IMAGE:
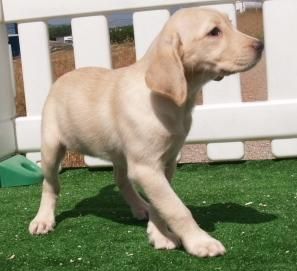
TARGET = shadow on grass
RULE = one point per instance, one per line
(228, 212)
(108, 203)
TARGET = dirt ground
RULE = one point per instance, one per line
(253, 82)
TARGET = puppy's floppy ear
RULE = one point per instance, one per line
(165, 74)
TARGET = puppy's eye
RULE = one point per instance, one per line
(215, 32)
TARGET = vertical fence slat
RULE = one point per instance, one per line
(91, 44)
(36, 65)
(37, 75)
(147, 25)
(225, 91)
(280, 23)
(1, 12)
(7, 103)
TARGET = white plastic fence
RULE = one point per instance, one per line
(243, 5)
(223, 121)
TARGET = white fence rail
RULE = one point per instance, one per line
(223, 121)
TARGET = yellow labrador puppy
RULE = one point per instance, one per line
(139, 117)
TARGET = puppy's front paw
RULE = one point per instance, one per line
(161, 240)
(203, 245)
(41, 225)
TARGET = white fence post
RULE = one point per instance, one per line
(38, 78)
(1, 13)
(7, 102)
(147, 25)
(226, 91)
(91, 44)
(280, 22)
(99, 43)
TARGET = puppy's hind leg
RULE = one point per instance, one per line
(158, 233)
(138, 205)
(52, 154)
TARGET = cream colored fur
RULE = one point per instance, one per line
(139, 117)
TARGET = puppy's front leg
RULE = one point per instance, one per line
(138, 205)
(171, 209)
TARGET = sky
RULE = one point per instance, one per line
(118, 19)
(113, 20)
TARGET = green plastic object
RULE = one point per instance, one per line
(18, 170)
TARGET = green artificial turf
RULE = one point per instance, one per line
(249, 206)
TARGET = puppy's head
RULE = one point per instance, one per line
(201, 43)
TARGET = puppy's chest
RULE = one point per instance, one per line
(176, 134)
(178, 128)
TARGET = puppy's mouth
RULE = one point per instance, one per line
(240, 65)
(222, 74)
(241, 68)
(219, 78)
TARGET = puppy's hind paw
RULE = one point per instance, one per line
(159, 240)
(140, 212)
(41, 226)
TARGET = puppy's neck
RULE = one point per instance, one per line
(195, 82)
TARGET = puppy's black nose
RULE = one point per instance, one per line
(258, 46)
